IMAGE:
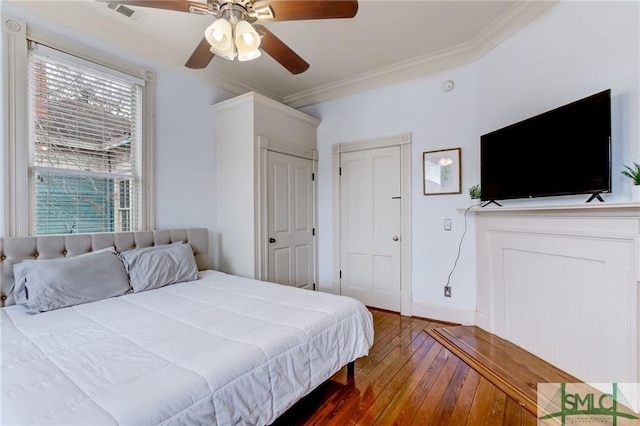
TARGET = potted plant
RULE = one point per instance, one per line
(474, 192)
(633, 173)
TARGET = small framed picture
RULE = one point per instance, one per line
(441, 171)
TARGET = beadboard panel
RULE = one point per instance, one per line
(563, 284)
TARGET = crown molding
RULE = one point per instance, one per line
(284, 109)
(514, 19)
(254, 98)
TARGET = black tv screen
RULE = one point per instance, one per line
(563, 151)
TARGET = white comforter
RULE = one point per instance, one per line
(219, 350)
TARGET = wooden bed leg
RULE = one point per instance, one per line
(351, 369)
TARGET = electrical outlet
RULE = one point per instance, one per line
(447, 291)
(447, 224)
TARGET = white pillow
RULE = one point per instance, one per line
(44, 285)
(155, 267)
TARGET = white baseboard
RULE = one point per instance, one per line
(444, 313)
(482, 321)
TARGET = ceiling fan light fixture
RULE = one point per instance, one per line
(219, 35)
(232, 34)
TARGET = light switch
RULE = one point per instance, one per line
(447, 224)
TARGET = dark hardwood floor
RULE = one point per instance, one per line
(407, 379)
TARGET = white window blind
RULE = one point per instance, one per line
(85, 140)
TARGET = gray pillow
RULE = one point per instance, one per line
(155, 267)
(44, 285)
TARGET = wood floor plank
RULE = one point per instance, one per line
(512, 413)
(411, 405)
(430, 403)
(379, 353)
(509, 367)
(481, 402)
(465, 399)
(408, 377)
(397, 383)
(447, 403)
(495, 414)
(528, 419)
(398, 408)
(373, 377)
(373, 385)
(385, 330)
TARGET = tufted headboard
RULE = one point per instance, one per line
(16, 249)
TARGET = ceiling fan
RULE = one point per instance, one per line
(234, 33)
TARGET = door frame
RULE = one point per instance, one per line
(264, 144)
(404, 142)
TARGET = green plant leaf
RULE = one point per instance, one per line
(632, 172)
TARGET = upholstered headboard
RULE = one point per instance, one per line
(16, 249)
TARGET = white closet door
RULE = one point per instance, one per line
(370, 226)
(290, 220)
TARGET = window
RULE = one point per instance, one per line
(80, 147)
(84, 139)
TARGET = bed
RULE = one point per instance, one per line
(217, 350)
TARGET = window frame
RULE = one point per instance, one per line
(16, 149)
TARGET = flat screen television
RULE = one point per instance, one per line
(561, 152)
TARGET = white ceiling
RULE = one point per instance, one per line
(386, 42)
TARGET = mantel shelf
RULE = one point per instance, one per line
(624, 208)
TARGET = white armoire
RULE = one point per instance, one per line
(266, 203)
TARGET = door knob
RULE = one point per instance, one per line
(272, 240)
(395, 238)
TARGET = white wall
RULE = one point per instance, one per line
(436, 120)
(186, 179)
(185, 135)
(577, 49)
(574, 50)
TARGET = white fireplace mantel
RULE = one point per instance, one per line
(562, 282)
(628, 208)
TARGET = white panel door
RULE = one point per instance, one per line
(290, 220)
(370, 224)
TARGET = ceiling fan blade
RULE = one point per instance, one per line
(200, 57)
(177, 5)
(295, 10)
(279, 51)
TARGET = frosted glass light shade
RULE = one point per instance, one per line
(247, 39)
(219, 36)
